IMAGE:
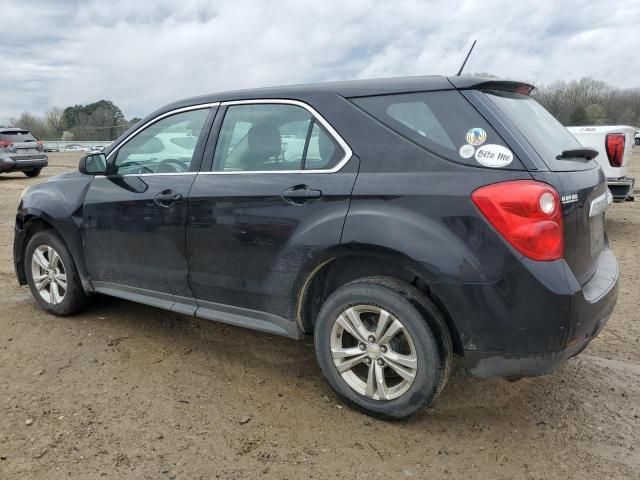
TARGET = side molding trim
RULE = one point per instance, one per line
(241, 317)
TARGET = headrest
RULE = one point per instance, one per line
(264, 140)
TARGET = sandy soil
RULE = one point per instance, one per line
(125, 390)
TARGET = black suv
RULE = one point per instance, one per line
(20, 151)
(399, 221)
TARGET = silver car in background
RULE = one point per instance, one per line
(20, 151)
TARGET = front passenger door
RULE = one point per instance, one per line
(134, 217)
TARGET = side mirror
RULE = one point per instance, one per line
(93, 164)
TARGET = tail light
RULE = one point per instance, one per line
(527, 214)
(5, 143)
(614, 144)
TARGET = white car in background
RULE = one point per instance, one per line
(95, 148)
(167, 152)
(637, 137)
(73, 148)
(613, 144)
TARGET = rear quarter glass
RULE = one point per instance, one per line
(444, 123)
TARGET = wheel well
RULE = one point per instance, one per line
(29, 226)
(326, 279)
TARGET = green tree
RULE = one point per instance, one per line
(578, 116)
(100, 120)
(596, 114)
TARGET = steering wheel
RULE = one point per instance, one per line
(170, 165)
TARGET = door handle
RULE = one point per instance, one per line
(166, 198)
(301, 194)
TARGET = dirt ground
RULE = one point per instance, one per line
(125, 390)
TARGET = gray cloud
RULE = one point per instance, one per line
(142, 54)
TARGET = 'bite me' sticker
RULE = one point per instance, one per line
(476, 136)
(494, 156)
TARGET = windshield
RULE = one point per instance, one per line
(545, 134)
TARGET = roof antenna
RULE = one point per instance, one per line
(466, 58)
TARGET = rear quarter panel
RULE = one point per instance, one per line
(416, 205)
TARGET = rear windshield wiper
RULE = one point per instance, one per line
(586, 153)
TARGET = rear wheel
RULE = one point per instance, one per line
(52, 275)
(33, 173)
(383, 347)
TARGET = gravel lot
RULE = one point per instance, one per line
(126, 390)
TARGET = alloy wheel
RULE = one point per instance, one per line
(49, 274)
(373, 352)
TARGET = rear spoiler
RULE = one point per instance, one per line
(478, 83)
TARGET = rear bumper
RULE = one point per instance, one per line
(621, 187)
(22, 163)
(536, 318)
(501, 364)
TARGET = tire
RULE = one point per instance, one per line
(61, 301)
(32, 173)
(424, 341)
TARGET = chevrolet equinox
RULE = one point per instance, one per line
(399, 221)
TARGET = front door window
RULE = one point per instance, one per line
(166, 146)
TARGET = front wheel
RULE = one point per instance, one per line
(383, 347)
(52, 275)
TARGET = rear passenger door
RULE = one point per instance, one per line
(275, 196)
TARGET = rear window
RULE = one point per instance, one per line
(16, 136)
(443, 122)
(546, 135)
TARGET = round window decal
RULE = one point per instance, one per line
(476, 136)
(467, 151)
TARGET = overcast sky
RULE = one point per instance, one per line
(142, 54)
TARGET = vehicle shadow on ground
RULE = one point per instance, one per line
(272, 359)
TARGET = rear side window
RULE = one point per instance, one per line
(443, 122)
(273, 137)
(17, 136)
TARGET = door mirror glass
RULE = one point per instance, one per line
(94, 164)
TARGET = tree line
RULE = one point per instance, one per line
(586, 102)
(590, 102)
(102, 121)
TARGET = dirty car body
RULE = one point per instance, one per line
(264, 245)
